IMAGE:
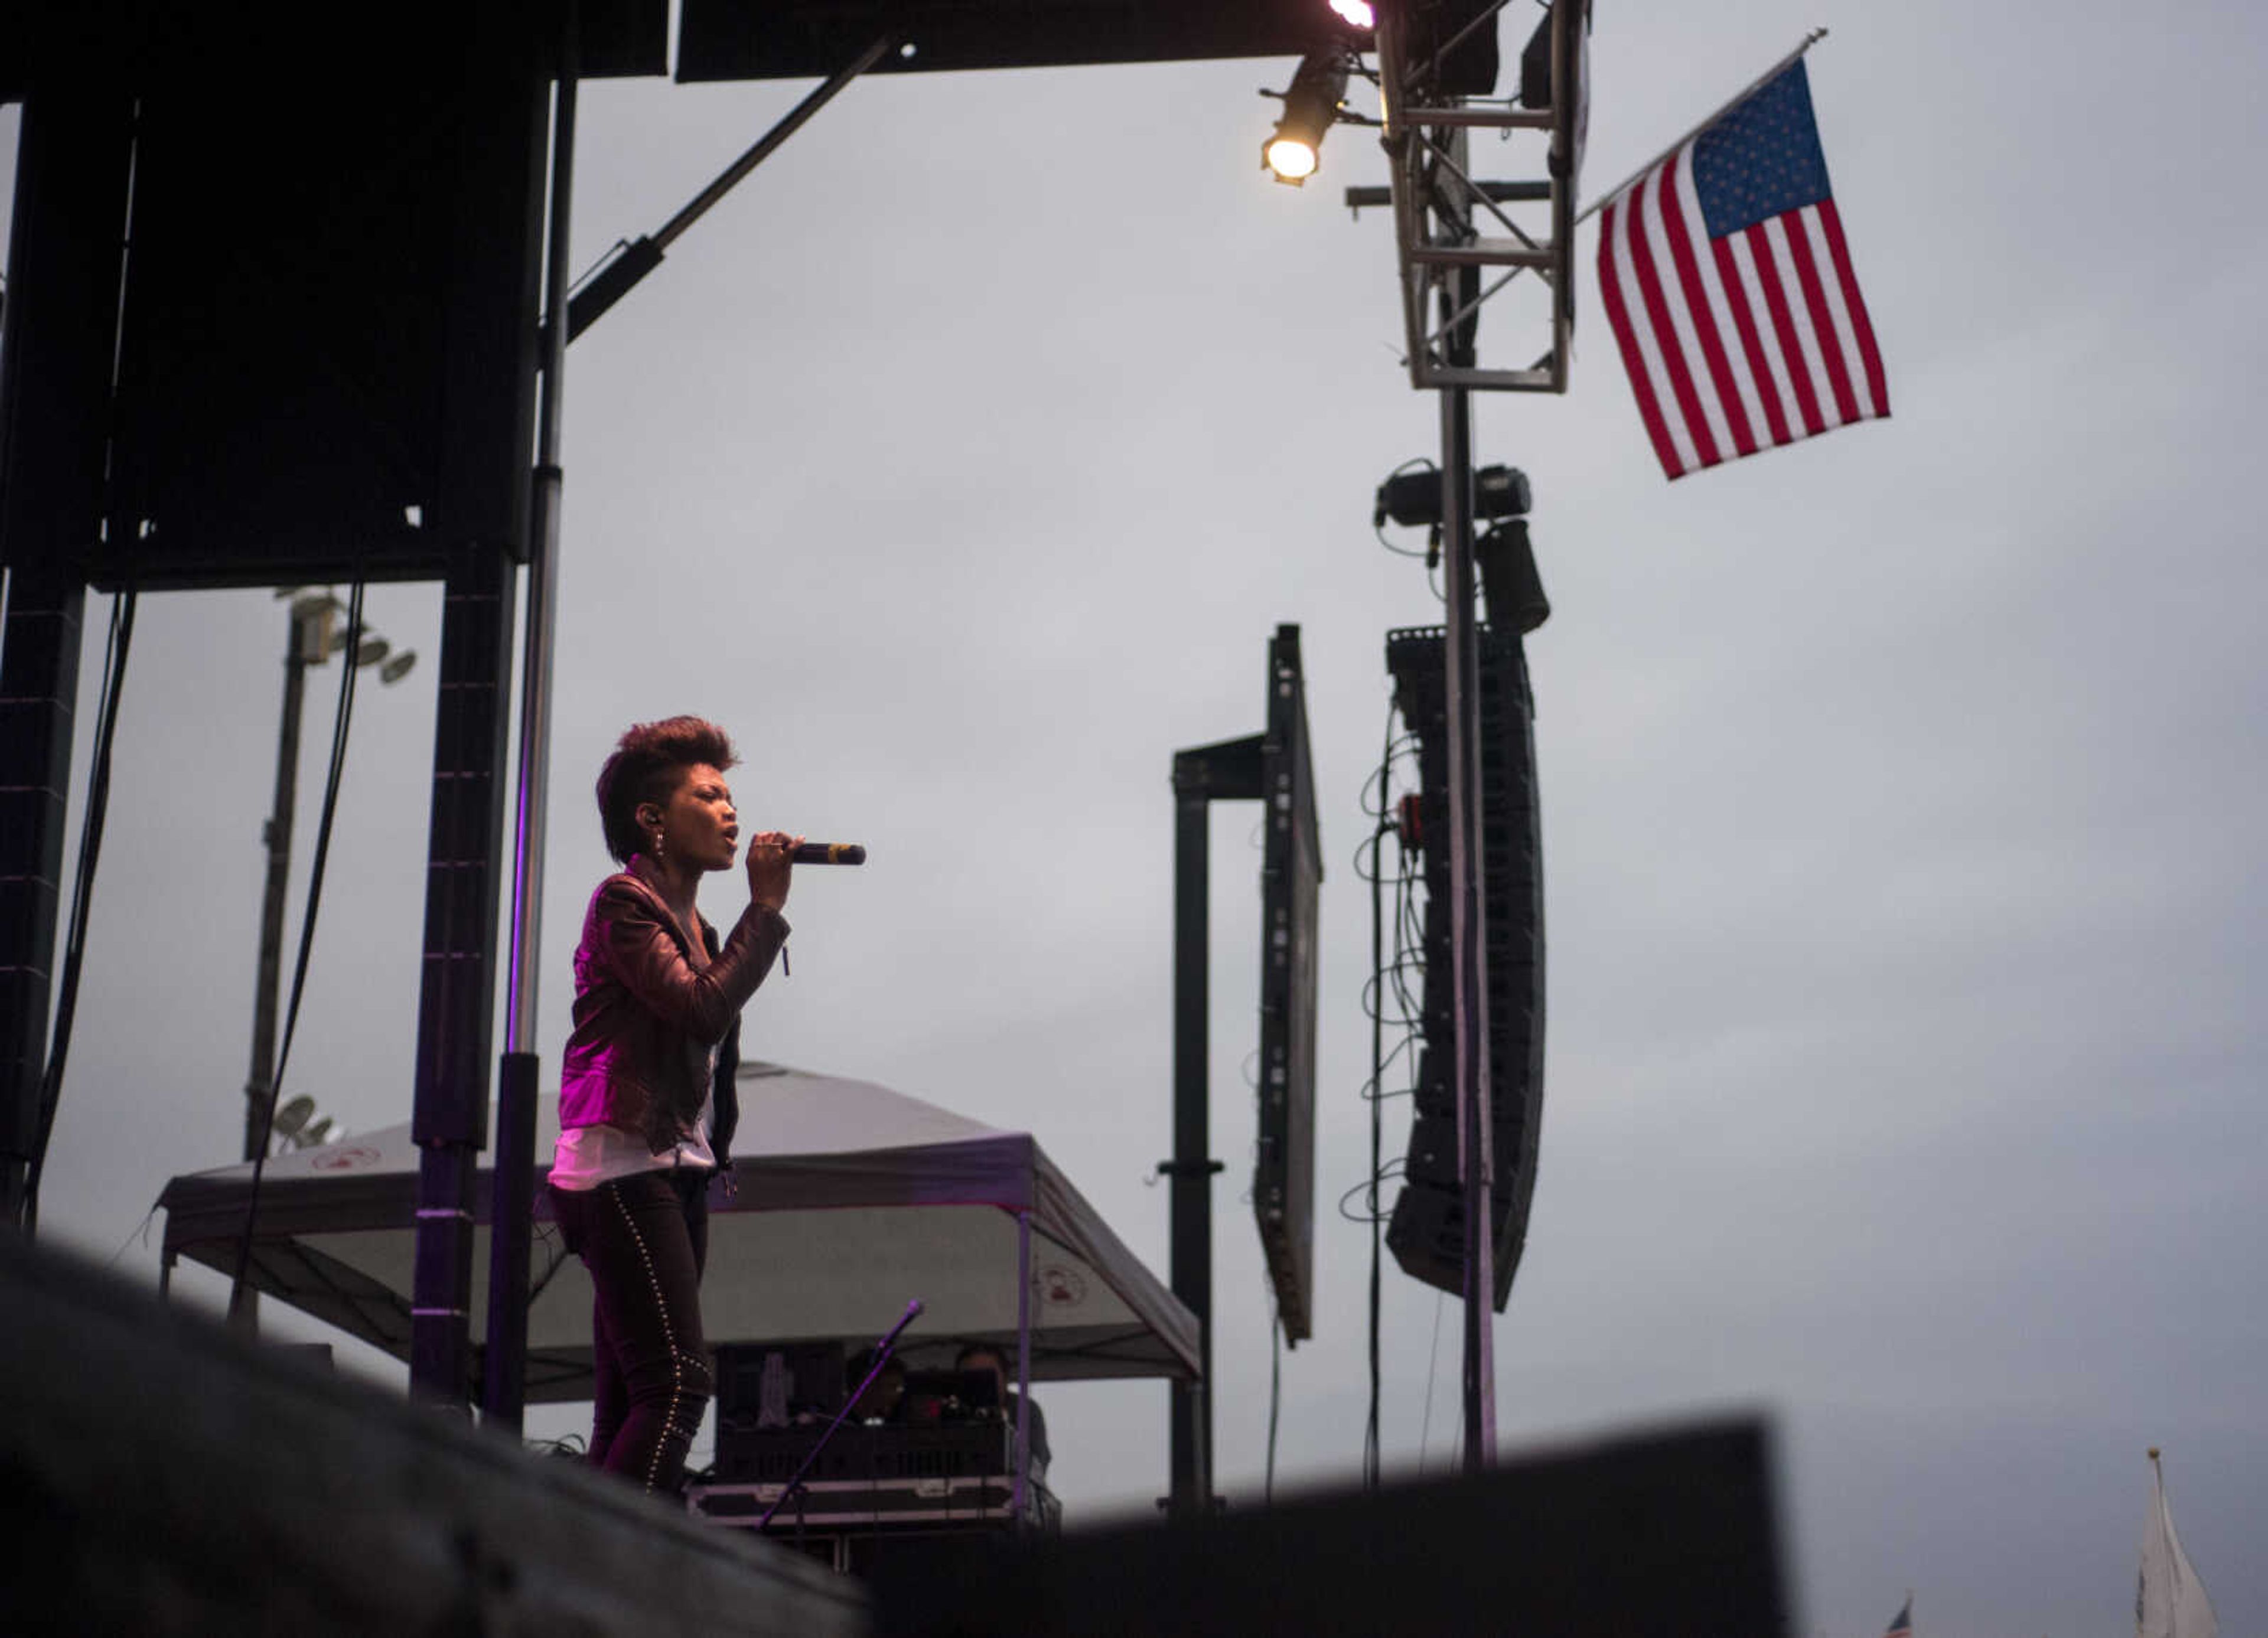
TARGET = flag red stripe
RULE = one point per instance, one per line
(1752, 344)
(1704, 317)
(1870, 356)
(1823, 316)
(1665, 332)
(1791, 345)
(1610, 296)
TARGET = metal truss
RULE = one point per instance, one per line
(1450, 232)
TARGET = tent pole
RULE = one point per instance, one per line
(1023, 1364)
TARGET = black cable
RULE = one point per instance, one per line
(340, 724)
(1433, 1370)
(554, 1248)
(116, 648)
(1378, 528)
(141, 1232)
(605, 257)
(1370, 1453)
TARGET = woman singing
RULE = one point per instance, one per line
(646, 1105)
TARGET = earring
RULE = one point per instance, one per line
(657, 844)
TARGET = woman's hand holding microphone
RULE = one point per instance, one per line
(769, 863)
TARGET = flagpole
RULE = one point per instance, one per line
(1600, 204)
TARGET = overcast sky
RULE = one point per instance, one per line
(1901, 792)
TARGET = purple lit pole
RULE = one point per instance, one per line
(504, 1389)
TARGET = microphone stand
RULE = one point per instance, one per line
(883, 1350)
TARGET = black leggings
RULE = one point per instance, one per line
(643, 1238)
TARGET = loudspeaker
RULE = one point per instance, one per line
(326, 326)
(1426, 1230)
(1462, 33)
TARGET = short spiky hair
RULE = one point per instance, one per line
(648, 765)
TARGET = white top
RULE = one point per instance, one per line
(586, 1156)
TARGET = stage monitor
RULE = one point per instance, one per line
(1292, 867)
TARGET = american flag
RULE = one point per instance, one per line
(1902, 1623)
(1725, 275)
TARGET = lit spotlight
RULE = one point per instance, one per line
(1318, 87)
(1358, 12)
(1292, 158)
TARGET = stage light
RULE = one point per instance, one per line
(1318, 87)
(1415, 496)
(1292, 158)
(1511, 586)
(1358, 12)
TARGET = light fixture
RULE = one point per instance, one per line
(1511, 587)
(1318, 87)
(369, 650)
(1358, 12)
(1292, 159)
(1415, 496)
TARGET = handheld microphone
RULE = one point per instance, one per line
(829, 853)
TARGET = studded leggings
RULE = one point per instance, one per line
(644, 1239)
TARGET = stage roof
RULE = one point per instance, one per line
(717, 40)
(720, 39)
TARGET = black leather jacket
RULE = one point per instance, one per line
(646, 1017)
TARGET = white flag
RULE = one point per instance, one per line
(2169, 1600)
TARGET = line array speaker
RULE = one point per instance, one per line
(1426, 1231)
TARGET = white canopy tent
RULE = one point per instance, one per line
(851, 1200)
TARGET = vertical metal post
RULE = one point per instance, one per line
(1192, 1167)
(1467, 933)
(1023, 1367)
(456, 995)
(1228, 771)
(307, 645)
(504, 1394)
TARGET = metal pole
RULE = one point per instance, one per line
(1466, 930)
(543, 598)
(642, 255)
(1192, 1170)
(1023, 1367)
(761, 150)
(504, 1389)
(1228, 771)
(260, 1083)
(308, 644)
